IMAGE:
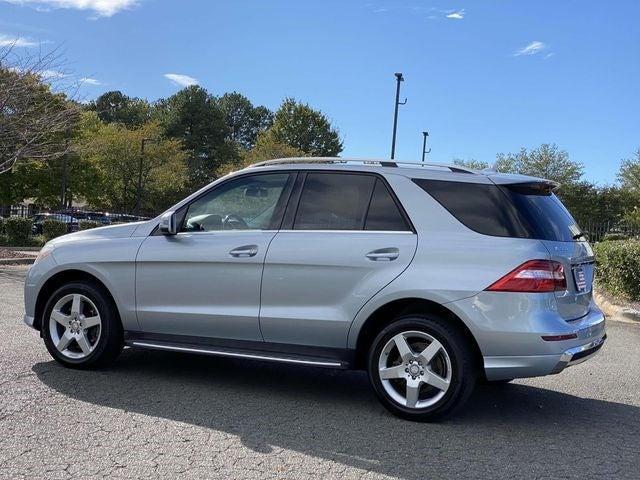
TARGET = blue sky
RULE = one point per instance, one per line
(482, 76)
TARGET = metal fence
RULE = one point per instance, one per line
(106, 218)
(596, 232)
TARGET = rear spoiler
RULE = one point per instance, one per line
(533, 188)
(525, 184)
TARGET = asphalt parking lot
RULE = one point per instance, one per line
(165, 415)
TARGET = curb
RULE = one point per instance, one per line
(17, 261)
(612, 310)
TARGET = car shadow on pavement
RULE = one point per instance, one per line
(505, 431)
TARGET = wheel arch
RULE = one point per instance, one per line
(386, 313)
(61, 278)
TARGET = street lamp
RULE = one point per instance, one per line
(139, 189)
(399, 79)
(424, 145)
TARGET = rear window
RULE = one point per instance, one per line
(520, 210)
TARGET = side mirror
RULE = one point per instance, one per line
(168, 223)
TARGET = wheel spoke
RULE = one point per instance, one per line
(392, 372)
(75, 306)
(91, 321)
(413, 391)
(61, 318)
(435, 380)
(403, 347)
(83, 342)
(428, 353)
(63, 343)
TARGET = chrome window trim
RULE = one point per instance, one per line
(403, 232)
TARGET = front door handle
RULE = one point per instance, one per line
(244, 251)
(383, 254)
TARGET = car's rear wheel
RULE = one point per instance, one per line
(80, 326)
(421, 368)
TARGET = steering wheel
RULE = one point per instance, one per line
(233, 218)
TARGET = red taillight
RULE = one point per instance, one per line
(534, 276)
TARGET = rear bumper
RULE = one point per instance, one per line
(591, 335)
(500, 368)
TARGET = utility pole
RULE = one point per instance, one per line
(399, 79)
(63, 185)
(139, 189)
(424, 145)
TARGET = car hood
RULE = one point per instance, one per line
(111, 231)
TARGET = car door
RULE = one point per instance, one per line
(205, 281)
(344, 238)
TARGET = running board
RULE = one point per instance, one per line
(225, 352)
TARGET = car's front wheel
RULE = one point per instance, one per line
(80, 326)
(422, 368)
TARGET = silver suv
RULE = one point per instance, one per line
(429, 277)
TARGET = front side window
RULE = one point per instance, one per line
(334, 201)
(248, 203)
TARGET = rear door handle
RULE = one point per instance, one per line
(383, 254)
(244, 251)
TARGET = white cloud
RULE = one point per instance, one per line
(103, 8)
(7, 41)
(51, 74)
(456, 14)
(181, 80)
(531, 49)
(90, 81)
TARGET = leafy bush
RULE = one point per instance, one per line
(18, 230)
(52, 228)
(615, 236)
(89, 224)
(37, 241)
(2, 230)
(618, 268)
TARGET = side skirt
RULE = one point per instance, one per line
(272, 352)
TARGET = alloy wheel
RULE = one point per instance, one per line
(75, 326)
(415, 369)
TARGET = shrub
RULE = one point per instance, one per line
(52, 228)
(2, 230)
(37, 241)
(89, 224)
(18, 230)
(618, 268)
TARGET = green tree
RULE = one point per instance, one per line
(301, 127)
(244, 120)
(472, 164)
(546, 161)
(116, 107)
(114, 151)
(629, 174)
(194, 117)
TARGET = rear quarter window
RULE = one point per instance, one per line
(518, 211)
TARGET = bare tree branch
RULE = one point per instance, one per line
(37, 109)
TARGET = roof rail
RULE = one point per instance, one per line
(382, 163)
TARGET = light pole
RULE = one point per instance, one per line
(399, 79)
(139, 189)
(424, 145)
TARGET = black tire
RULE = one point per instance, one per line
(110, 342)
(463, 367)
